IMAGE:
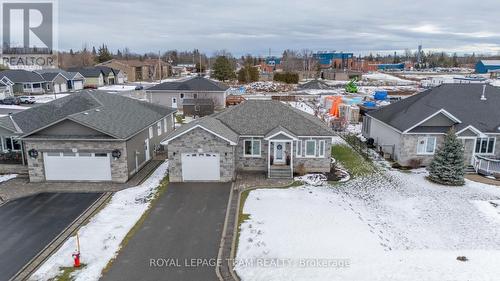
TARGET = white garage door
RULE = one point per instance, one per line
(57, 88)
(64, 88)
(78, 85)
(77, 166)
(200, 167)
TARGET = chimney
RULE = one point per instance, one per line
(483, 97)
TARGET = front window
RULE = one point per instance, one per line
(299, 148)
(252, 148)
(165, 125)
(150, 132)
(310, 148)
(322, 148)
(426, 145)
(485, 145)
(158, 128)
(182, 96)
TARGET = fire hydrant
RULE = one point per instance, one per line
(76, 259)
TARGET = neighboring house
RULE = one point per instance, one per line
(412, 129)
(108, 75)
(74, 80)
(94, 78)
(120, 76)
(5, 90)
(172, 94)
(139, 70)
(91, 136)
(23, 81)
(486, 66)
(257, 135)
(56, 82)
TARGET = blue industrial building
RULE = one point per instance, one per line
(391, 66)
(273, 61)
(485, 66)
(327, 58)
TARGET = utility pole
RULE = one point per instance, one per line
(159, 66)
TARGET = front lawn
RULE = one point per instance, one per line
(389, 226)
(352, 161)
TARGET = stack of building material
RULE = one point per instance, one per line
(349, 113)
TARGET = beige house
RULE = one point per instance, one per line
(137, 70)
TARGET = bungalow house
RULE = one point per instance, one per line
(74, 80)
(56, 82)
(108, 74)
(23, 81)
(410, 130)
(256, 135)
(94, 78)
(172, 94)
(92, 136)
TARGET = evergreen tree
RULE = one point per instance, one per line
(223, 69)
(447, 166)
(103, 54)
(94, 52)
(248, 74)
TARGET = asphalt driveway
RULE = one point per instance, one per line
(28, 224)
(180, 238)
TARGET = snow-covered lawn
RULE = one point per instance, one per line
(13, 106)
(7, 177)
(118, 88)
(100, 239)
(390, 226)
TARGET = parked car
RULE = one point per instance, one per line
(11, 100)
(27, 99)
(139, 87)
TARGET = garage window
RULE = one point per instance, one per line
(100, 154)
(252, 148)
(54, 154)
(69, 154)
(85, 154)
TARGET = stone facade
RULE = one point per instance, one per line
(36, 168)
(317, 164)
(408, 149)
(199, 140)
(250, 163)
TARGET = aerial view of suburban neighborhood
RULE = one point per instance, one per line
(249, 141)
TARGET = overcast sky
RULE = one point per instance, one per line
(254, 26)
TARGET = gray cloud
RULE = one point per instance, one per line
(255, 26)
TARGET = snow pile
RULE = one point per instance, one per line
(391, 226)
(268, 86)
(118, 88)
(13, 106)
(302, 106)
(7, 177)
(386, 78)
(312, 179)
(100, 239)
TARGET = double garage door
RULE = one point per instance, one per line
(200, 166)
(60, 88)
(62, 166)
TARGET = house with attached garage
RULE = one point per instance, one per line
(410, 130)
(172, 94)
(56, 82)
(257, 135)
(89, 136)
(23, 81)
(94, 78)
(74, 80)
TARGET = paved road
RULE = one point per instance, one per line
(185, 223)
(28, 224)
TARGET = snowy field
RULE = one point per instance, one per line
(393, 226)
(100, 239)
(118, 88)
(48, 98)
(384, 77)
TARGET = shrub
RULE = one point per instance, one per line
(286, 77)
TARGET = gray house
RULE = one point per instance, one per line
(56, 82)
(172, 94)
(90, 136)
(74, 80)
(410, 130)
(257, 135)
(23, 81)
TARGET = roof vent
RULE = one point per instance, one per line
(97, 110)
(85, 113)
(483, 96)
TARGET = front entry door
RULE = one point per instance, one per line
(279, 152)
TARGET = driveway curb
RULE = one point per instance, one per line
(30, 267)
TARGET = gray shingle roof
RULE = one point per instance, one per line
(208, 123)
(260, 118)
(87, 71)
(196, 84)
(461, 100)
(21, 76)
(67, 75)
(115, 115)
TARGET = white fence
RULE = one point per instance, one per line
(486, 165)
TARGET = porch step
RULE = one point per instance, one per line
(280, 173)
(470, 170)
